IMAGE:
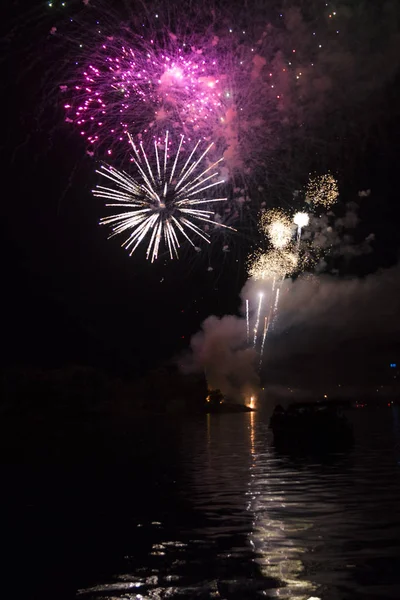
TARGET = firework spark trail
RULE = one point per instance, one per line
(275, 310)
(261, 296)
(247, 322)
(161, 205)
(266, 325)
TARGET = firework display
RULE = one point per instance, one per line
(272, 264)
(147, 80)
(200, 75)
(193, 71)
(322, 190)
(277, 226)
(169, 202)
(145, 88)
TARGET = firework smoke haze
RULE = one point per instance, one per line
(219, 350)
(331, 312)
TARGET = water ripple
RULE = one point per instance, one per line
(244, 521)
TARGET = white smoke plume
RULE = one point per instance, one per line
(219, 349)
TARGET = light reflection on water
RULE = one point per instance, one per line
(252, 523)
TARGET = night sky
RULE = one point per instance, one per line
(72, 297)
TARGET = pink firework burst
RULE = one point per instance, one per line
(144, 89)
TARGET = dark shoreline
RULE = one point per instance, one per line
(228, 408)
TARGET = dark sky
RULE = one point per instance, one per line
(71, 296)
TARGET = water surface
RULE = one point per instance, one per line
(201, 508)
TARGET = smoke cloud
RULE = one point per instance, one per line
(328, 328)
(219, 349)
(341, 309)
(334, 235)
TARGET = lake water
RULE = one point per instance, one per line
(200, 508)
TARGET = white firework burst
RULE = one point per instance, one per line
(163, 203)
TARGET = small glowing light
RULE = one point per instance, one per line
(301, 219)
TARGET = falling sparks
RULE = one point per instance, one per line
(164, 202)
(277, 226)
(274, 264)
(322, 190)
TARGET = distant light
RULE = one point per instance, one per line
(393, 365)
